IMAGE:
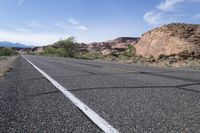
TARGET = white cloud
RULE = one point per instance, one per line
(73, 21)
(152, 17)
(81, 27)
(20, 2)
(169, 5)
(23, 29)
(31, 38)
(75, 24)
(61, 25)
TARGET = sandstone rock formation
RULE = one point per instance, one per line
(171, 39)
(117, 45)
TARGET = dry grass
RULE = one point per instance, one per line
(6, 64)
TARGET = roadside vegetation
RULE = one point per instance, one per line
(3, 57)
(7, 52)
(89, 55)
(129, 57)
(69, 48)
(62, 48)
(7, 57)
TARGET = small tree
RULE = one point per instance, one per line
(68, 45)
(130, 50)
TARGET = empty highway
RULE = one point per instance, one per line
(52, 94)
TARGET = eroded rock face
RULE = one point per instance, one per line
(172, 39)
(117, 45)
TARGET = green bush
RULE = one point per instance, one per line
(68, 45)
(63, 48)
(50, 51)
(7, 51)
(61, 52)
(130, 51)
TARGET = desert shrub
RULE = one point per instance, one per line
(88, 55)
(110, 57)
(50, 51)
(135, 59)
(162, 56)
(7, 51)
(63, 48)
(130, 51)
(172, 60)
(124, 56)
(195, 64)
(151, 59)
(61, 52)
(3, 57)
(68, 45)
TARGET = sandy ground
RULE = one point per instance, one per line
(6, 64)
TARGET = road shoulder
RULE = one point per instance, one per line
(6, 63)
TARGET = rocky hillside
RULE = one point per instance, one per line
(113, 46)
(172, 39)
(117, 45)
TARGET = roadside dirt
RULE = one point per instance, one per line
(6, 65)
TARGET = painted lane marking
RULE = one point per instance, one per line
(100, 122)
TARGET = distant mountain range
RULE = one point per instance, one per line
(14, 45)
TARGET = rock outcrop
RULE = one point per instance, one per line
(172, 39)
(117, 45)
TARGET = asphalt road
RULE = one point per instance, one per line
(131, 98)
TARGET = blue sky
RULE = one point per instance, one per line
(42, 22)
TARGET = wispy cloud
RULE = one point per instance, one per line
(167, 12)
(61, 24)
(74, 24)
(169, 5)
(152, 17)
(73, 21)
(197, 16)
(7, 25)
(20, 2)
(23, 29)
(81, 27)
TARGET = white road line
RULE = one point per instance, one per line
(100, 122)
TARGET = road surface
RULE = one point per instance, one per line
(130, 98)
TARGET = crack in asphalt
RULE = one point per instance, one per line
(139, 87)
